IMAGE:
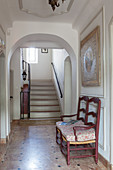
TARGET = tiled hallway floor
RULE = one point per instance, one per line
(35, 148)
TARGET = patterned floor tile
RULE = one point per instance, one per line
(35, 148)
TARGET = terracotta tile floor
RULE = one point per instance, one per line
(35, 148)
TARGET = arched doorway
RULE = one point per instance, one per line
(42, 41)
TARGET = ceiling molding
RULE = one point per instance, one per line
(27, 11)
(2, 29)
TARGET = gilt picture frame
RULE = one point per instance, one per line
(90, 59)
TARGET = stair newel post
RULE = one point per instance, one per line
(20, 105)
(26, 68)
(29, 84)
(28, 104)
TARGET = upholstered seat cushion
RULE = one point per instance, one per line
(82, 135)
(64, 127)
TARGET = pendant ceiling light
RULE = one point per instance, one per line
(55, 3)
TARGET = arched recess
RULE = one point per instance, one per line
(67, 86)
(111, 92)
(25, 41)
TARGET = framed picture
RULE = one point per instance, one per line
(90, 58)
(44, 50)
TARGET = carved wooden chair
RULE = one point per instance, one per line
(83, 135)
(82, 108)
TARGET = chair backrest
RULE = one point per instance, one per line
(82, 107)
(94, 105)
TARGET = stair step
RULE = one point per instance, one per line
(40, 121)
(44, 108)
(42, 85)
(44, 105)
(43, 99)
(45, 118)
(44, 102)
(44, 114)
(41, 82)
(37, 97)
(43, 92)
(47, 111)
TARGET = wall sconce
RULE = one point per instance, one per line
(24, 75)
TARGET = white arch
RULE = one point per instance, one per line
(42, 38)
(67, 86)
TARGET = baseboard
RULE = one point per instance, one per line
(111, 167)
(3, 141)
(8, 137)
(105, 162)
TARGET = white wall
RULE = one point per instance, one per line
(42, 70)
(58, 58)
(15, 66)
(103, 91)
(99, 91)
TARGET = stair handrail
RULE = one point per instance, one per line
(61, 95)
(29, 77)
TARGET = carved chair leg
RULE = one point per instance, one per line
(56, 135)
(68, 153)
(61, 140)
(96, 152)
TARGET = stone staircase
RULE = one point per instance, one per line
(44, 104)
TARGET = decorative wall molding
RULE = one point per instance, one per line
(111, 167)
(27, 11)
(90, 95)
(103, 146)
(3, 141)
(2, 29)
(103, 59)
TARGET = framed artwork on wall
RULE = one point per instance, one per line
(44, 50)
(90, 58)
